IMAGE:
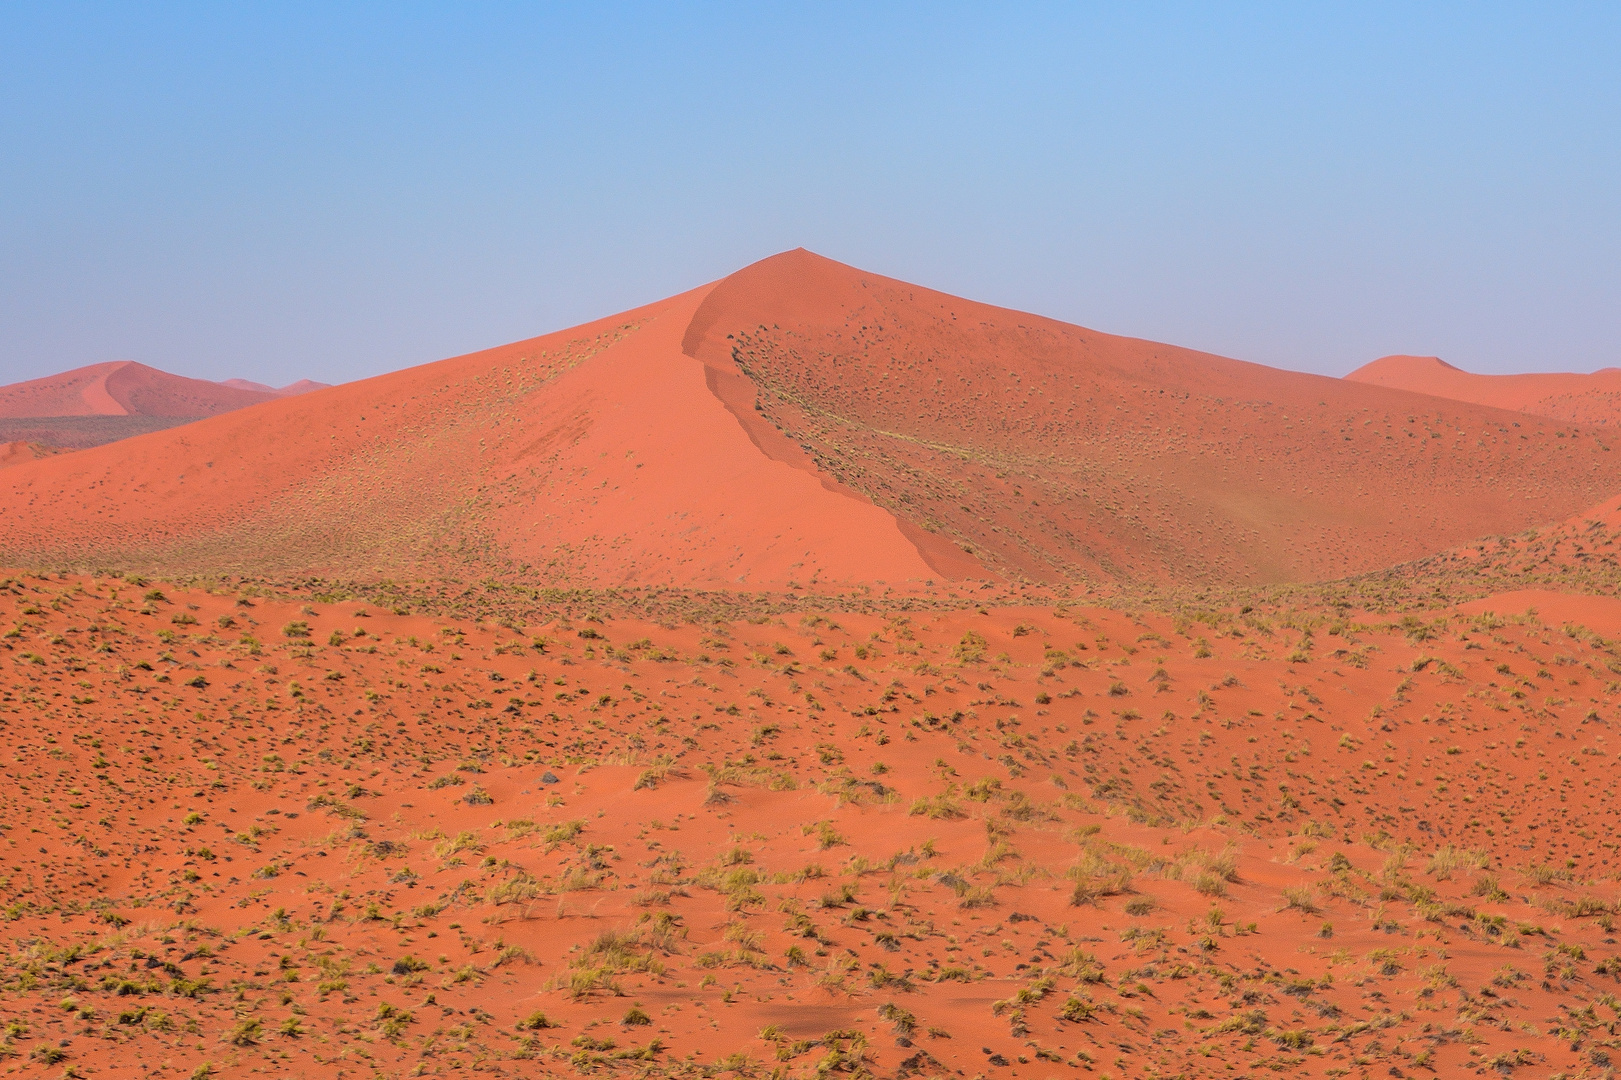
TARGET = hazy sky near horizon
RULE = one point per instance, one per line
(337, 190)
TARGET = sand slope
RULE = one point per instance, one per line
(1582, 399)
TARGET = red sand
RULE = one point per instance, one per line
(15, 453)
(1015, 843)
(1580, 399)
(881, 436)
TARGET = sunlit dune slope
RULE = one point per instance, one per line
(1581, 399)
(1052, 451)
(598, 456)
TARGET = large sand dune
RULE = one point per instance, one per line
(598, 455)
(802, 424)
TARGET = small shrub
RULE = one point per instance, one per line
(1076, 1010)
(535, 1021)
(1298, 898)
(246, 1032)
(937, 807)
(971, 648)
(1449, 860)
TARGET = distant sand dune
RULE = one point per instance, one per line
(1581, 399)
(102, 403)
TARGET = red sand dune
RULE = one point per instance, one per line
(302, 386)
(596, 455)
(123, 388)
(1054, 451)
(804, 424)
(1572, 562)
(1580, 399)
(1598, 613)
(105, 403)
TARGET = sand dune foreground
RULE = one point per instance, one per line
(813, 676)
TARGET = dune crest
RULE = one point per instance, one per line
(302, 386)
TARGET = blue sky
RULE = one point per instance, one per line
(333, 191)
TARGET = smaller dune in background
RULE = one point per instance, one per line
(103, 403)
(1557, 395)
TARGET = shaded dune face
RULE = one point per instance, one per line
(1581, 399)
(1052, 451)
(804, 425)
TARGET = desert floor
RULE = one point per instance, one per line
(247, 830)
